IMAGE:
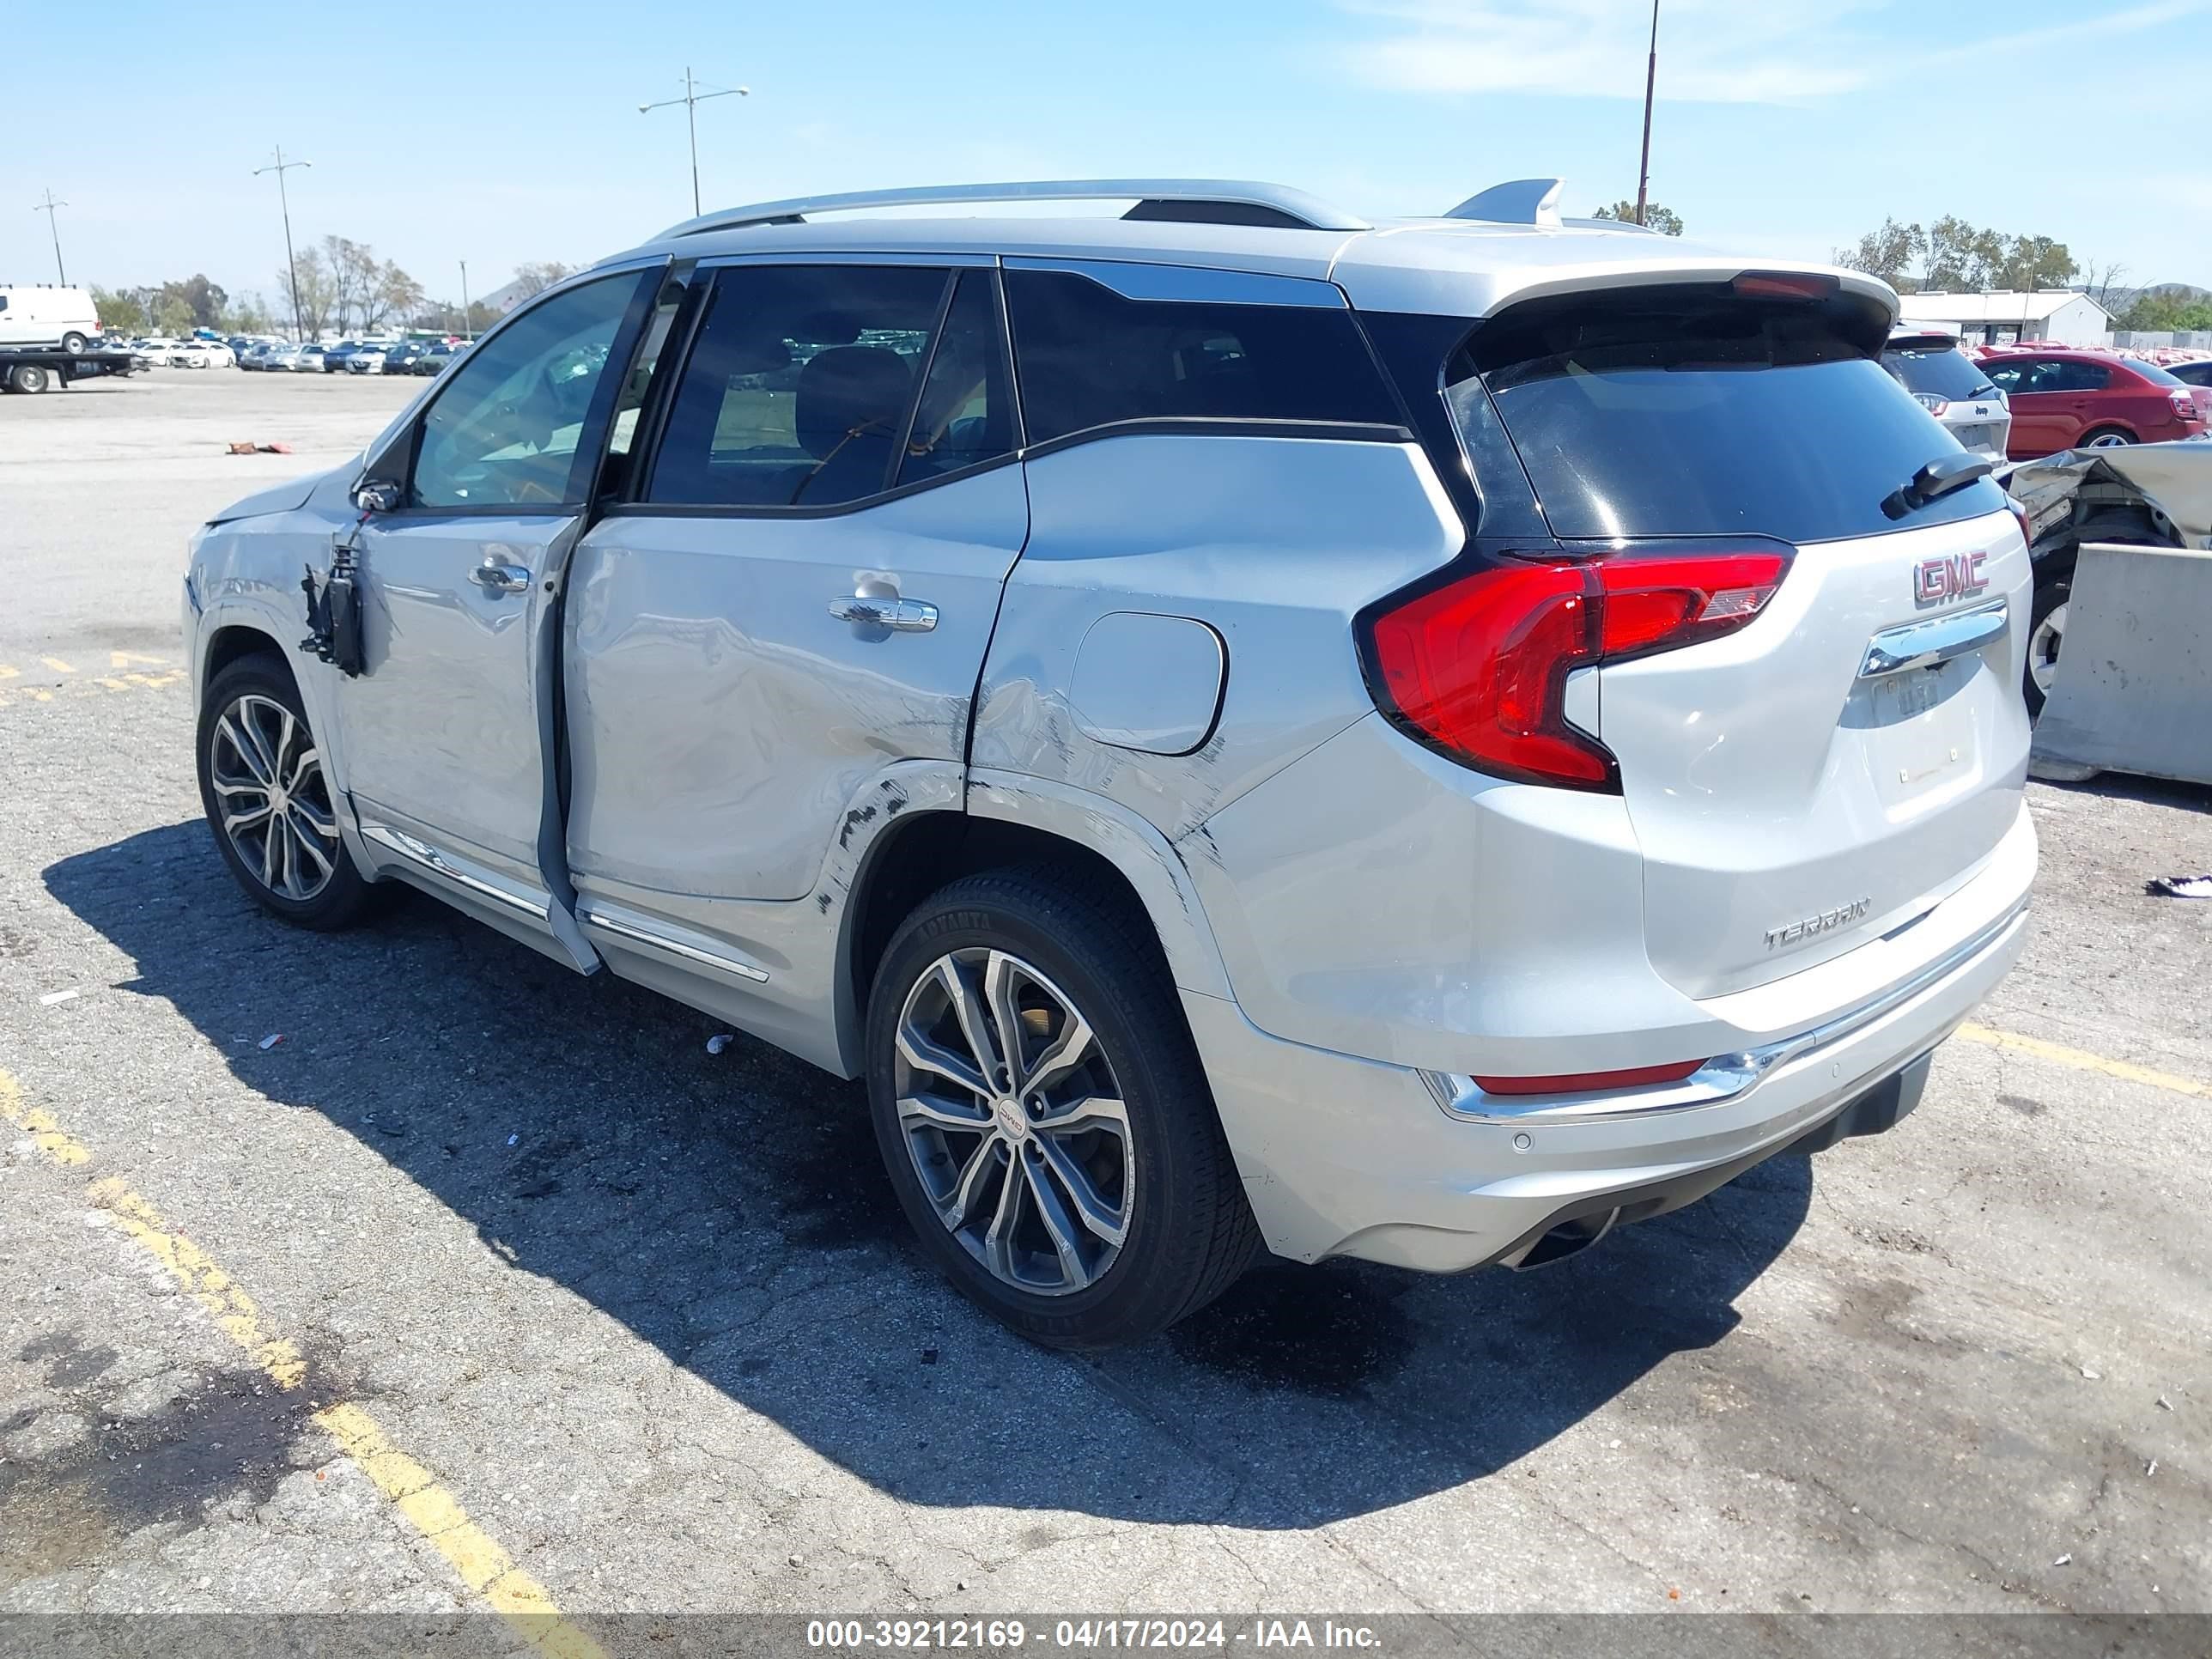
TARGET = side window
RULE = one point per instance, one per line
(1087, 357)
(504, 426)
(2008, 378)
(800, 387)
(2084, 377)
(965, 416)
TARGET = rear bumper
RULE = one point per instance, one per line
(1347, 1157)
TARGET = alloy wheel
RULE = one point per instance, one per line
(276, 807)
(1009, 1107)
(2043, 648)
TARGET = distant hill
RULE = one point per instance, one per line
(2122, 298)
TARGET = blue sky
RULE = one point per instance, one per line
(503, 134)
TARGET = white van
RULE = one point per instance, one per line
(48, 316)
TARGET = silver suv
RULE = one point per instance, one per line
(1421, 741)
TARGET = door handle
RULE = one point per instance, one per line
(494, 577)
(901, 616)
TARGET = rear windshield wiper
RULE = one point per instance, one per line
(1936, 480)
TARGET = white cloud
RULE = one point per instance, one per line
(1720, 52)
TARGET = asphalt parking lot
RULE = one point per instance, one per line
(643, 1319)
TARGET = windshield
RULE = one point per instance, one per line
(1689, 410)
(1942, 371)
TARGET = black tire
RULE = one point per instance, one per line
(1189, 1231)
(29, 377)
(2103, 435)
(344, 895)
(74, 343)
(2053, 589)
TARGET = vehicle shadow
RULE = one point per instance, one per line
(732, 1210)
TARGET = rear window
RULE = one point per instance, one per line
(2155, 374)
(1088, 358)
(1939, 371)
(1693, 411)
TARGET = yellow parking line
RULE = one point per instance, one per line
(46, 1134)
(2082, 1060)
(58, 664)
(483, 1565)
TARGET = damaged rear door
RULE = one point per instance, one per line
(801, 589)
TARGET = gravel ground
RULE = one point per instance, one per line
(647, 1314)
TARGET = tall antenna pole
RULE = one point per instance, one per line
(691, 99)
(47, 208)
(1650, 85)
(280, 166)
(467, 333)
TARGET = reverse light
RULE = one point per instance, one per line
(1577, 1082)
(1477, 668)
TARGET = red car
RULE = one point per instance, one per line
(2090, 401)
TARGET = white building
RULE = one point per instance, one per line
(2057, 315)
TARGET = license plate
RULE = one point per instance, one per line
(1919, 745)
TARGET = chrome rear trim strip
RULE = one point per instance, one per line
(1924, 644)
(1721, 1078)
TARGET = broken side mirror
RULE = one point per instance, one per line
(376, 495)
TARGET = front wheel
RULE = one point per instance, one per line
(1043, 1116)
(2046, 634)
(269, 801)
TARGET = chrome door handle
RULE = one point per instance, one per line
(901, 616)
(494, 577)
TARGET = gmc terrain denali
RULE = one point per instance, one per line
(1421, 741)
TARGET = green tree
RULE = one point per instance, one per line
(2161, 313)
(1665, 221)
(1889, 253)
(120, 312)
(172, 313)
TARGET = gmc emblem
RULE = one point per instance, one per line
(1934, 580)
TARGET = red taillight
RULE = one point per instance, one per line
(2020, 516)
(1786, 285)
(1478, 668)
(1577, 1082)
(2184, 402)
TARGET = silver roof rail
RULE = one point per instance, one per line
(1264, 204)
(1521, 201)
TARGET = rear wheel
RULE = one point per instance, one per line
(1043, 1116)
(2105, 437)
(269, 801)
(29, 377)
(73, 343)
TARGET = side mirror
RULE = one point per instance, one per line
(375, 495)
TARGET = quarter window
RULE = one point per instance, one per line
(505, 429)
(1088, 357)
(800, 387)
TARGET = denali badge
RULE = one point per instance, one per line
(1934, 580)
(1826, 922)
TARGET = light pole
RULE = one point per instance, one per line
(1651, 84)
(47, 208)
(467, 333)
(280, 166)
(691, 99)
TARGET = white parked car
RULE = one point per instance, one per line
(306, 359)
(204, 353)
(42, 315)
(1424, 742)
